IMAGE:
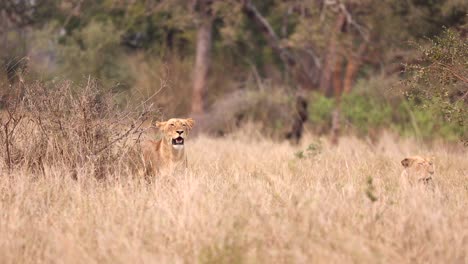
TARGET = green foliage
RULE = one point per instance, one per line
(365, 112)
(230, 250)
(229, 253)
(369, 108)
(370, 190)
(360, 110)
(299, 154)
(427, 122)
(314, 149)
(320, 108)
(130, 43)
(438, 82)
(95, 51)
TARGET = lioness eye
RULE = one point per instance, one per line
(172, 124)
(184, 125)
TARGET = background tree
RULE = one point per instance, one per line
(264, 60)
(440, 77)
(203, 54)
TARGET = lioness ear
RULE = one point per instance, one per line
(406, 162)
(160, 125)
(430, 159)
(190, 122)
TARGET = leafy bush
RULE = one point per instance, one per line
(320, 110)
(95, 51)
(427, 122)
(371, 106)
(438, 81)
(365, 112)
(360, 111)
(313, 149)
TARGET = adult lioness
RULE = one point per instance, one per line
(418, 170)
(168, 153)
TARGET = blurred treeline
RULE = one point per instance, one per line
(333, 66)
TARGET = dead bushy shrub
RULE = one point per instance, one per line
(270, 108)
(76, 127)
(10, 119)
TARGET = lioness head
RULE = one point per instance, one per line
(423, 167)
(176, 130)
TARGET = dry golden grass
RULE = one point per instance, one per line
(245, 200)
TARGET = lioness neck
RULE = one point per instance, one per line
(177, 154)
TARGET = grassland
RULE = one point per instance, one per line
(246, 199)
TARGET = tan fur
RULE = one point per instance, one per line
(417, 171)
(162, 156)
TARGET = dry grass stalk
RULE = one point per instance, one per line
(246, 199)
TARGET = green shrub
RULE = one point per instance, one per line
(426, 122)
(437, 83)
(370, 107)
(320, 108)
(95, 51)
(365, 112)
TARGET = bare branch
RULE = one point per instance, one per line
(273, 40)
(349, 19)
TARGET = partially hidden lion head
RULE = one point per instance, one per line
(175, 131)
(422, 167)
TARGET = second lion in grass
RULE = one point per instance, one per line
(418, 171)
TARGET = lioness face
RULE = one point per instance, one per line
(176, 130)
(421, 166)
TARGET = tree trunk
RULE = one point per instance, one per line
(337, 83)
(350, 75)
(331, 78)
(337, 80)
(304, 77)
(202, 66)
(335, 125)
(326, 85)
(299, 119)
(354, 62)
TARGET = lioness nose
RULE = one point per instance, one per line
(180, 132)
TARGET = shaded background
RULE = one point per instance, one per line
(330, 67)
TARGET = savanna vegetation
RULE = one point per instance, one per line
(246, 199)
(304, 110)
(332, 66)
